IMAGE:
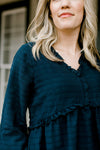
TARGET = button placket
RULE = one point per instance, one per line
(86, 87)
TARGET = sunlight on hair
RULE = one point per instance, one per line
(42, 32)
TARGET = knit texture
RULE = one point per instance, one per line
(64, 104)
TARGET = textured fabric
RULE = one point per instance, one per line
(64, 104)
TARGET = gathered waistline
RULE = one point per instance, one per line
(64, 112)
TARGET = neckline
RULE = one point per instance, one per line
(80, 60)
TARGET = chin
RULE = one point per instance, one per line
(67, 28)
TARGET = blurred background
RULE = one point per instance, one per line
(15, 16)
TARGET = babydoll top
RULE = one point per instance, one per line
(63, 103)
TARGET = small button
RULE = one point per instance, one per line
(85, 85)
(59, 113)
(86, 94)
(78, 74)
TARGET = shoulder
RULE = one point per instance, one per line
(23, 62)
(25, 48)
(24, 54)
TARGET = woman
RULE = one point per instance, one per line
(56, 75)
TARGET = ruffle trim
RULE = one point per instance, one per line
(56, 115)
(81, 59)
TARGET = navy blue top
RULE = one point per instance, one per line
(64, 104)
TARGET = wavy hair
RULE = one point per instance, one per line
(42, 32)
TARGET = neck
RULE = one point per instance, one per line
(68, 41)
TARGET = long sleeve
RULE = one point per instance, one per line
(13, 128)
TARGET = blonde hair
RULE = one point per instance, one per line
(42, 32)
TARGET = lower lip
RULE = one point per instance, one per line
(65, 16)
